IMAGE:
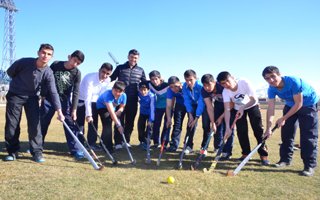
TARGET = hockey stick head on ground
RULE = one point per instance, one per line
(242, 164)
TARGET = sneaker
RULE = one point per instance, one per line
(281, 164)
(37, 157)
(264, 160)
(128, 145)
(188, 150)
(243, 157)
(225, 156)
(78, 155)
(203, 152)
(118, 147)
(307, 171)
(10, 157)
(172, 149)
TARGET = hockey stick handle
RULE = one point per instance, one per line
(86, 153)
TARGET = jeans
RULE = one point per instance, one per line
(178, 117)
(218, 135)
(47, 111)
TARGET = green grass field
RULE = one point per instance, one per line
(61, 177)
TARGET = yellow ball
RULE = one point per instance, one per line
(170, 180)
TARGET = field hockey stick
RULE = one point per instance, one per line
(149, 133)
(202, 155)
(113, 58)
(244, 162)
(162, 145)
(113, 160)
(219, 153)
(87, 144)
(85, 152)
(182, 153)
(133, 161)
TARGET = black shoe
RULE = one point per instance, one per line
(225, 156)
(264, 160)
(172, 149)
(281, 164)
(307, 171)
(37, 157)
(243, 157)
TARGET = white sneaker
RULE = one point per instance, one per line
(118, 146)
(188, 150)
(123, 144)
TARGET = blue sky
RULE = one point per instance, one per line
(209, 36)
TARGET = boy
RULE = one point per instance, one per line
(193, 101)
(29, 75)
(147, 105)
(159, 87)
(107, 103)
(242, 95)
(131, 74)
(175, 104)
(67, 78)
(214, 114)
(300, 105)
(91, 87)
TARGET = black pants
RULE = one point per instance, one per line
(254, 115)
(142, 131)
(81, 115)
(106, 135)
(127, 118)
(15, 103)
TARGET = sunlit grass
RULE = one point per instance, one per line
(61, 177)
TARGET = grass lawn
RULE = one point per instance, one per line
(61, 177)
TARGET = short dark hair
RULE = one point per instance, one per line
(106, 66)
(270, 70)
(134, 52)
(144, 84)
(222, 76)
(78, 54)
(207, 78)
(119, 85)
(173, 80)
(190, 72)
(154, 73)
(46, 46)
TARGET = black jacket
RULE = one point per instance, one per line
(131, 77)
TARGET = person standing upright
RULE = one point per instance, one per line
(29, 75)
(131, 74)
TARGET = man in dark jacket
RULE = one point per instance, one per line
(131, 74)
(28, 76)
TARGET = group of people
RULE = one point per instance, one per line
(113, 96)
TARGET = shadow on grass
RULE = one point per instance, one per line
(169, 160)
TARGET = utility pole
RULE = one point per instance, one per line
(8, 53)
